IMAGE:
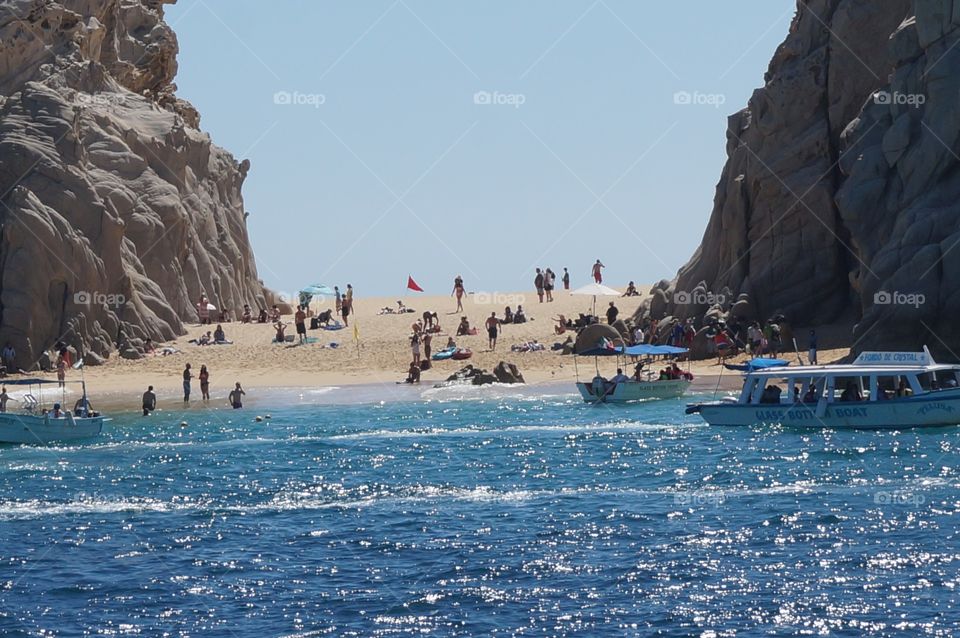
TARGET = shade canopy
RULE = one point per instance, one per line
(757, 364)
(596, 290)
(317, 289)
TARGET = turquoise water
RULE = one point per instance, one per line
(484, 513)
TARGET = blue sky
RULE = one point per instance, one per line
(437, 137)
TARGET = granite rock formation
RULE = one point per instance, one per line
(839, 200)
(116, 211)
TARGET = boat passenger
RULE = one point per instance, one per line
(903, 390)
(57, 412)
(620, 377)
(82, 407)
(771, 394)
(811, 395)
(851, 393)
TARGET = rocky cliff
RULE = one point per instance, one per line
(839, 200)
(116, 211)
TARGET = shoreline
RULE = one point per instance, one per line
(357, 392)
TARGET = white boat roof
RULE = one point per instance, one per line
(851, 370)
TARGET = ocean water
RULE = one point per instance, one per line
(478, 512)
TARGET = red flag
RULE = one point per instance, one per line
(412, 285)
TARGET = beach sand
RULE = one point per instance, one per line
(382, 357)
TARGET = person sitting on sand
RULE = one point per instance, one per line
(262, 316)
(280, 327)
(205, 339)
(413, 373)
(219, 336)
(464, 327)
(561, 326)
(451, 343)
(519, 316)
(631, 291)
(247, 315)
(148, 346)
(274, 313)
(507, 315)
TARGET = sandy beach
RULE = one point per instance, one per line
(382, 357)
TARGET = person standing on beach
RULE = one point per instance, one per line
(301, 320)
(813, 347)
(597, 274)
(493, 329)
(149, 401)
(415, 346)
(458, 292)
(236, 397)
(187, 375)
(612, 313)
(4, 397)
(204, 378)
(427, 340)
(566, 279)
(61, 371)
(538, 284)
(339, 300)
(548, 279)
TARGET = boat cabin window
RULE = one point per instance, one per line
(849, 389)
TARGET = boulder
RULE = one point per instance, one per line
(117, 211)
(507, 373)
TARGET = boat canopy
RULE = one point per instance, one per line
(633, 351)
(757, 364)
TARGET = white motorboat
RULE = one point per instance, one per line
(632, 390)
(603, 341)
(878, 390)
(32, 424)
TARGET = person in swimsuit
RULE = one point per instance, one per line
(458, 291)
(301, 320)
(566, 279)
(548, 278)
(236, 397)
(597, 275)
(415, 347)
(493, 329)
(204, 378)
(149, 401)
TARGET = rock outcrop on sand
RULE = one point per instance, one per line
(117, 211)
(839, 200)
(503, 373)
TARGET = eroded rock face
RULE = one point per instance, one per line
(117, 212)
(808, 195)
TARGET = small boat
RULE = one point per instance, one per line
(32, 424)
(878, 390)
(603, 341)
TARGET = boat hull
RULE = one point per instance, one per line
(927, 411)
(636, 391)
(40, 430)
